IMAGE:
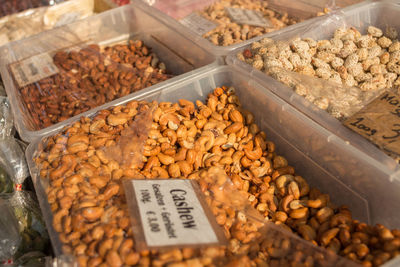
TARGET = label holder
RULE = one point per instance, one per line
(138, 226)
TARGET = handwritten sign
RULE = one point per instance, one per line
(249, 17)
(170, 213)
(379, 122)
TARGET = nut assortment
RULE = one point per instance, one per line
(368, 62)
(22, 25)
(188, 140)
(228, 32)
(91, 77)
(13, 6)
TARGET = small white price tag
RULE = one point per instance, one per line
(198, 24)
(249, 17)
(33, 69)
(170, 213)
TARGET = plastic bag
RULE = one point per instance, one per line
(31, 227)
(33, 21)
(9, 233)
(29, 221)
(13, 167)
(12, 158)
(31, 259)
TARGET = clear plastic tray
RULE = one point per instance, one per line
(128, 22)
(380, 14)
(326, 161)
(303, 9)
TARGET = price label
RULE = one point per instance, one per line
(33, 69)
(198, 24)
(249, 17)
(170, 213)
(379, 122)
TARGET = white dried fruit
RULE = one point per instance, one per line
(301, 89)
(384, 42)
(374, 31)
(395, 46)
(369, 62)
(335, 78)
(349, 48)
(318, 63)
(339, 33)
(349, 81)
(361, 62)
(337, 62)
(355, 70)
(374, 51)
(325, 56)
(362, 77)
(351, 60)
(395, 57)
(311, 42)
(362, 54)
(258, 64)
(322, 102)
(384, 58)
(323, 73)
(365, 41)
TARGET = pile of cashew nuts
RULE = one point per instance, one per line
(82, 169)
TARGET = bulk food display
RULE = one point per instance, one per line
(80, 170)
(32, 21)
(199, 133)
(227, 23)
(83, 65)
(340, 65)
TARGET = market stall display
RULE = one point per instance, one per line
(227, 23)
(344, 75)
(146, 150)
(184, 140)
(32, 21)
(94, 62)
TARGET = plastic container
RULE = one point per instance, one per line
(380, 14)
(304, 10)
(11, 6)
(128, 22)
(324, 160)
(33, 21)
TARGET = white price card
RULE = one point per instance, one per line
(249, 17)
(198, 24)
(170, 213)
(33, 69)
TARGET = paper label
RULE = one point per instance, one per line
(249, 17)
(379, 122)
(198, 24)
(33, 69)
(168, 213)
